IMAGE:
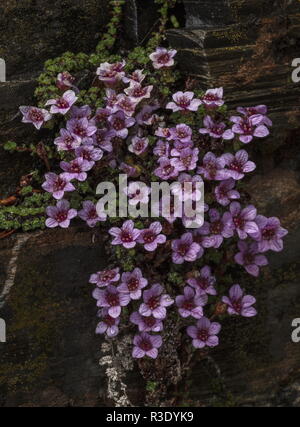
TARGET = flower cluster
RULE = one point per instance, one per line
(188, 139)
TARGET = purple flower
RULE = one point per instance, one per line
(216, 130)
(57, 185)
(111, 298)
(238, 164)
(89, 214)
(76, 169)
(269, 234)
(60, 215)
(204, 333)
(162, 149)
(64, 80)
(136, 77)
(166, 170)
(126, 236)
(102, 138)
(89, 153)
(126, 104)
(81, 112)
(111, 73)
(111, 98)
(163, 133)
(225, 192)
(187, 187)
(218, 229)
(181, 132)
(146, 345)
(252, 111)
(151, 237)
(137, 193)
(184, 101)
(105, 277)
(63, 104)
(108, 324)
(155, 302)
(204, 282)
(146, 116)
(213, 167)
(248, 127)
(81, 128)
(138, 145)
(146, 323)
(213, 98)
(250, 258)
(242, 220)
(190, 304)
(238, 303)
(162, 57)
(131, 171)
(120, 124)
(137, 92)
(187, 160)
(133, 283)
(34, 115)
(66, 141)
(185, 249)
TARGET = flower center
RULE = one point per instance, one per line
(107, 276)
(112, 299)
(59, 184)
(36, 116)
(154, 302)
(62, 103)
(188, 305)
(182, 250)
(237, 305)
(146, 345)
(110, 321)
(239, 222)
(149, 237)
(126, 237)
(133, 284)
(163, 59)
(92, 214)
(210, 97)
(202, 335)
(216, 227)
(79, 130)
(119, 124)
(235, 166)
(268, 233)
(149, 321)
(183, 102)
(61, 216)
(167, 170)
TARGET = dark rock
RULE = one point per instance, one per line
(34, 31)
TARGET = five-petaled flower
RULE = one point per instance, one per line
(191, 303)
(162, 57)
(204, 333)
(155, 302)
(238, 303)
(60, 215)
(146, 345)
(127, 235)
(111, 299)
(133, 283)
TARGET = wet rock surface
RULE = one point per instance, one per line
(34, 31)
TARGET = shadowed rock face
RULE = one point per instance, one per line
(34, 31)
